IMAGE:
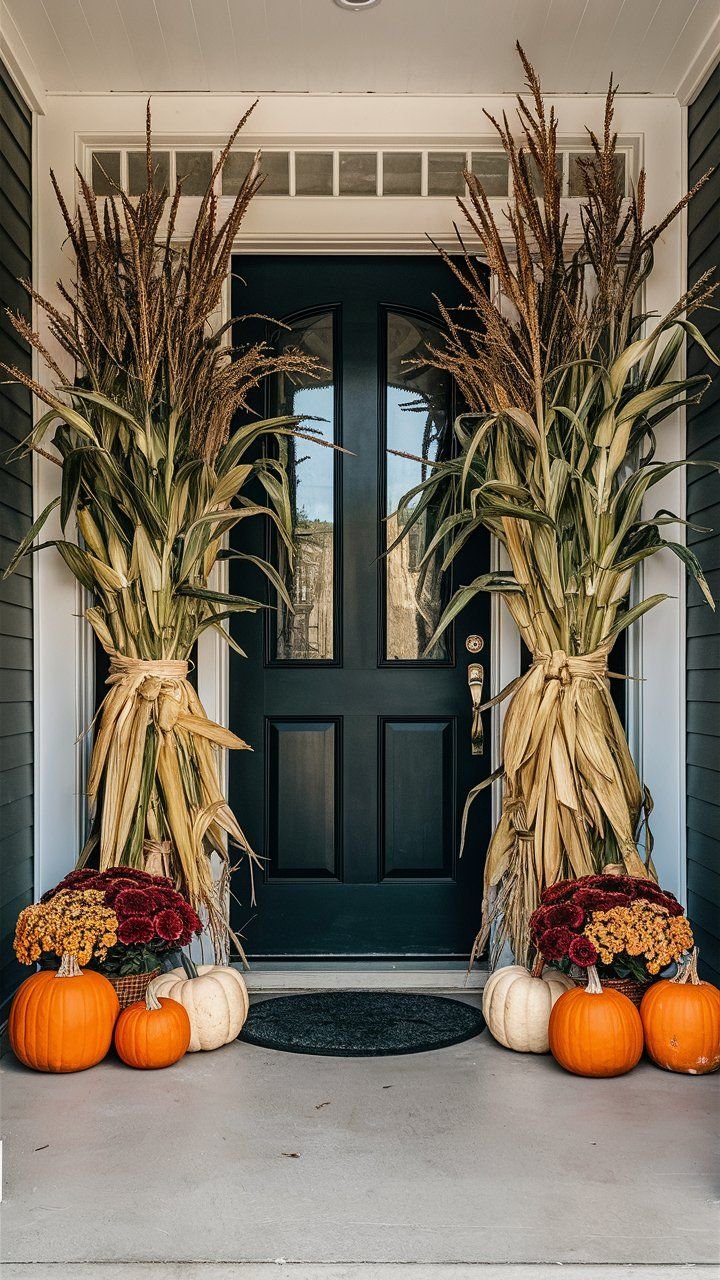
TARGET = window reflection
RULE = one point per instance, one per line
(418, 422)
(307, 633)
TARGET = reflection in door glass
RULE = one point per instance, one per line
(418, 422)
(307, 633)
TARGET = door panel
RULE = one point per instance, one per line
(362, 758)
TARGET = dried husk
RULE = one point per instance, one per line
(555, 459)
(156, 474)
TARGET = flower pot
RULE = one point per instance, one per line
(131, 986)
(630, 987)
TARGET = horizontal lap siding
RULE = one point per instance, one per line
(16, 616)
(703, 506)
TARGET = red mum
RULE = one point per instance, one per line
(554, 942)
(567, 913)
(168, 925)
(558, 892)
(582, 952)
(135, 929)
(133, 902)
(190, 918)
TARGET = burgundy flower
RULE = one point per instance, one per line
(190, 917)
(168, 925)
(133, 902)
(113, 891)
(582, 952)
(554, 943)
(135, 929)
(558, 892)
(539, 922)
(566, 913)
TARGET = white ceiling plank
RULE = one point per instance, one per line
(111, 38)
(555, 42)
(689, 42)
(76, 38)
(180, 33)
(617, 51)
(284, 45)
(148, 44)
(398, 46)
(39, 35)
(217, 43)
(582, 65)
(663, 32)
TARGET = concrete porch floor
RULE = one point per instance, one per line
(470, 1155)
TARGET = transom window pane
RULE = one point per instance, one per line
(536, 182)
(418, 423)
(358, 173)
(576, 177)
(137, 171)
(306, 634)
(491, 170)
(195, 170)
(402, 173)
(105, 172)
(313, 173)
(445, 173)
(274, 167)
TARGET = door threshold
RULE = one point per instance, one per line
(278, 976)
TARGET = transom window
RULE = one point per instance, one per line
(336, 172)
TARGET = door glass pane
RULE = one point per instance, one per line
(307, 633)
(418, 423)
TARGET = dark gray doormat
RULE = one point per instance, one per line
(360, 1024)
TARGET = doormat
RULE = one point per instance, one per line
(360, 1024)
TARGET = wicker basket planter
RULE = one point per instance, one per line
(630, 987)
(131, 986)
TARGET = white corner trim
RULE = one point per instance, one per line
(18, 60)
(701, 67)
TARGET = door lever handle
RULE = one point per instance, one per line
(476, 677)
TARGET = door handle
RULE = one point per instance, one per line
(476, 677)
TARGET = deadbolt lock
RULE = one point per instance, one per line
(474, 644)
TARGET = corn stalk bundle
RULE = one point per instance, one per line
(566, 382)
(155, 476)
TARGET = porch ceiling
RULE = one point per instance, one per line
(401, 46)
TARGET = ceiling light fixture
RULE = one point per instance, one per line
(356, 4)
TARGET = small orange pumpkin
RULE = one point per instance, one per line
(681, 1021)
(595, 1031)
(152, 1033)
(62, 1020)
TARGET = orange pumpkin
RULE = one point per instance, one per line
(63, 1020)
(681, 1021)
(154, 1032)
(595, 1031)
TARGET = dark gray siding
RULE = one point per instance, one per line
(703, 505)
(16, 620)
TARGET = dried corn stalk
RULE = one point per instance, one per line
(155, 477)
(555, 458)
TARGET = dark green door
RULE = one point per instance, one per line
(361, 742)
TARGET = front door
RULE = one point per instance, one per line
(361, 738)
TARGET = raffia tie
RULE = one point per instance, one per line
(558, 665)
(159, 668)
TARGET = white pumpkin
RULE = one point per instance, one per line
(216, 1001)
(516, 1006)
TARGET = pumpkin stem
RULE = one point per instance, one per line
(151, 999)
(688, 971)
(539, 965)
(594, 985)
(69, 967)
(189, 965)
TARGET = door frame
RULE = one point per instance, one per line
(213, 654)
(64, 682)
